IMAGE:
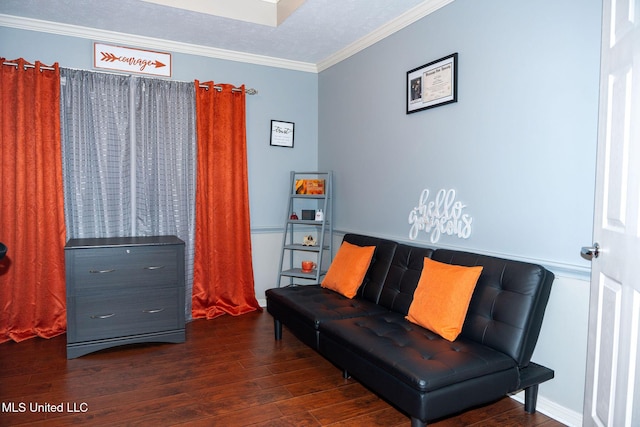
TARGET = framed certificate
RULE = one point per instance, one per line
(433, 84)
(282, 133)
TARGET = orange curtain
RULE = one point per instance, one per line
(223, 274)
(32, 280)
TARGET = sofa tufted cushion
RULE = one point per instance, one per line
(508, 304)
(404, 273)
(416, 356)
(314, 304)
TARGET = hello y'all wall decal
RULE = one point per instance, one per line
(440, 216)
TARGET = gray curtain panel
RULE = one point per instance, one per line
(129, 158)
(96, 151)
(165, 147)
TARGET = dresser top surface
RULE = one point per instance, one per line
(105, 242)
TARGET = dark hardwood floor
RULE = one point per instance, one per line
(230, 372)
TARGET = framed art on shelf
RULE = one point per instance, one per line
(433, 84)
(282, 133)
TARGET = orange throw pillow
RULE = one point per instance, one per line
(348, 268)
(442, 297)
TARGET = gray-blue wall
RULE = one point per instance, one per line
(518, 148)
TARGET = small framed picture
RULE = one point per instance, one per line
(282, 133)
(433, 84)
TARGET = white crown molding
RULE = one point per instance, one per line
(150, 42)
(393, 26)
(132, 40)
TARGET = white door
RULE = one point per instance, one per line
(612, 393)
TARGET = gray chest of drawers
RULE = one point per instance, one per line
(124, 290)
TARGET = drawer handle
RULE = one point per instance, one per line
(154, 267)
(102, 316)
(153, 311)
(102, 271)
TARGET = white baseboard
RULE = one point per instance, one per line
(551, 409)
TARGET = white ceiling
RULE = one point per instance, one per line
(312, 37)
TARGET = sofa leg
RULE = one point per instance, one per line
(345, 374)
(530, 399)
(415, 422)
(277, 329)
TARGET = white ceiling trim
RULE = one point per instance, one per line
(386, 30)
(132, 40)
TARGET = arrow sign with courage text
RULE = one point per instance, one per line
(131, 60)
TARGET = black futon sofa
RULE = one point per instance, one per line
(419, 372)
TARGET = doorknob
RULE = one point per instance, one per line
(590, 252)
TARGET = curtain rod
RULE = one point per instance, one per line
(249, 91)
(27, 65)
